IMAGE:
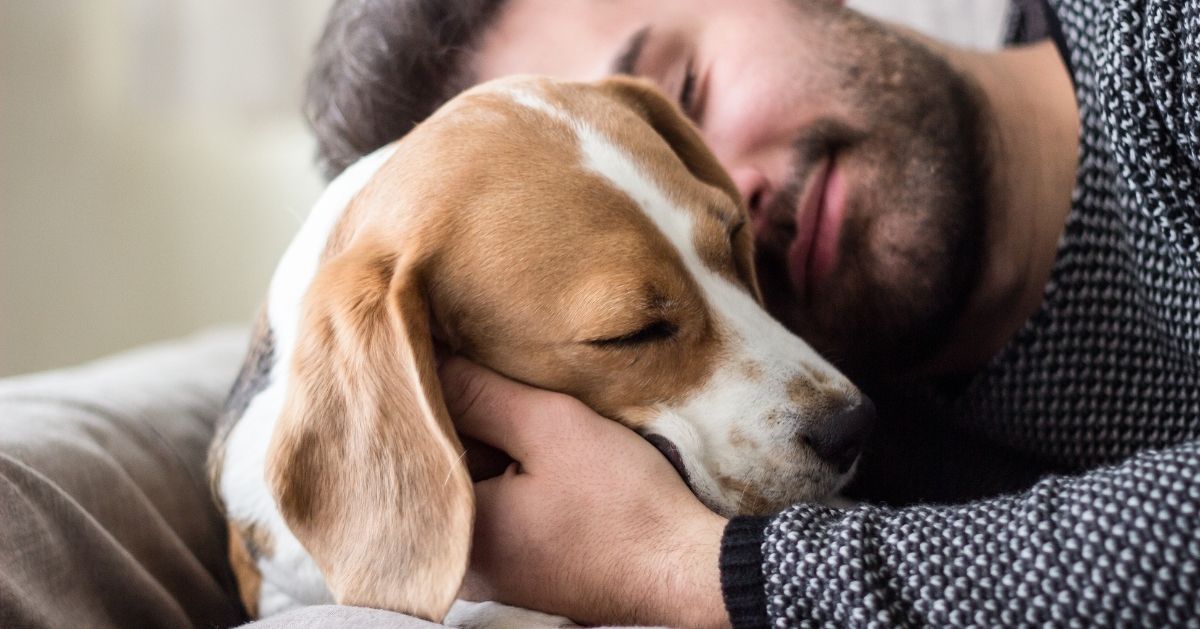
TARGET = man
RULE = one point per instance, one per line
(1007, 249)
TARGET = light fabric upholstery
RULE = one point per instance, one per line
(321, 616)
(106, 515)
(106, 519)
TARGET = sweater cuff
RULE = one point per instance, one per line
(742, 582)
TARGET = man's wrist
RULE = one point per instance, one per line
(695, 590)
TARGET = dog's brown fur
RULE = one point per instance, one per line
(364, 463)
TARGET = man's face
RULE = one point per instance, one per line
(858, 152)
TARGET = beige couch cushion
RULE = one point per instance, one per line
(105, 514)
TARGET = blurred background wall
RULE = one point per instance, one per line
(153, 163)
(152, 167)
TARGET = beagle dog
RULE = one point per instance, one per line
(575, 237)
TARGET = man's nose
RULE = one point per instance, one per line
(754, 188)
(839, 439)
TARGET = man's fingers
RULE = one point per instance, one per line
(495, 410)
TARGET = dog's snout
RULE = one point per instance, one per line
(839, 439)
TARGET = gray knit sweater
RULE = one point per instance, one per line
(1101, 386)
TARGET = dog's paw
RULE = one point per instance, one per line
(488, 615)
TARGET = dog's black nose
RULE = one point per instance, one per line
(839, 439)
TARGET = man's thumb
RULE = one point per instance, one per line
(486, 406)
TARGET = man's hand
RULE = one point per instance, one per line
(592, 522)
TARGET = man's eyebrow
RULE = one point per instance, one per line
(626, 60)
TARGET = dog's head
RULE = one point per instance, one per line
(578, 238)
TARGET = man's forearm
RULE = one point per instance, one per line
(1120, 544)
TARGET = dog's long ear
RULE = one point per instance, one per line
(364, 462)
(665, 117)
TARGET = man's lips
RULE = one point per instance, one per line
(813, 251)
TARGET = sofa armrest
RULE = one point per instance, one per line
(105, 513)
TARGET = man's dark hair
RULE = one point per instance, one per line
(382, 66)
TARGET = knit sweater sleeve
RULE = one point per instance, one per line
(1115, 546)
(1142, 59)
(1171, 58)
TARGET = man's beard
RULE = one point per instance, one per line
(910, 245)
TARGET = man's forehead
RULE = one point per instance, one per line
(567, 39)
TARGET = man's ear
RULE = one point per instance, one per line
(364, 463)
(665, 117)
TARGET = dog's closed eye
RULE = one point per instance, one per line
(660, 330)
